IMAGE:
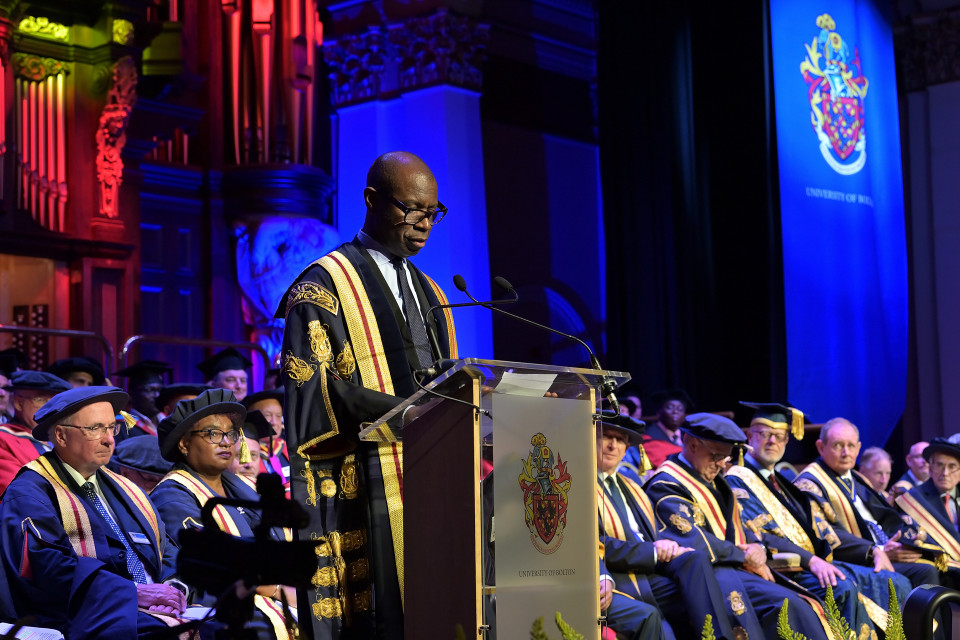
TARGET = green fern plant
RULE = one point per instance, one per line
(707, 632)
(838, 624)
(783, 626)
(894, 616)
(537, 632)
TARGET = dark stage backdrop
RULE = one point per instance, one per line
(694, 290)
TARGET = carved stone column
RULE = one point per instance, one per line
(441, 48)
(928, 51)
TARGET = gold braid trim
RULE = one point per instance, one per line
(311, 484)
(312, 293)
(319, 343)
(787, 526)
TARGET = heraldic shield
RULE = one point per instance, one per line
(545, 484)
(836, 89)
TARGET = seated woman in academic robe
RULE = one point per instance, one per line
(200, 437)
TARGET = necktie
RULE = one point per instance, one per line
(776, 485)
(878, 535)
(418, 330)
(848, 483)
(133, 562)
(951, 507)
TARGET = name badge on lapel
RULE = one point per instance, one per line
(138, 537)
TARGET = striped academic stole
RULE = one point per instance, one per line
(73, 514)
(374, 371)
(41, 447)
(788, 527)
(201, 492)
(708, 504)
(613, 525)
(916, 510)
(842, 505)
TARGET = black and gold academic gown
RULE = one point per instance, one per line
(348, 358)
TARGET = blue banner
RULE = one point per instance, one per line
(841, 206)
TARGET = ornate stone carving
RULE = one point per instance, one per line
(441, 48)
(37, 68)
(122, 31)
(928, 51)
(356, 66)
(111, 134)
(42, 27)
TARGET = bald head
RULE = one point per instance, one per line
(395, 180)
(385, 172)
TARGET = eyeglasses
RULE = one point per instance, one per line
(714, 456)
(949, 467)
(216, 436)
(779, 436)
(97, 431)
(413, 216)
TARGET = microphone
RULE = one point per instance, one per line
(432, 371)
(607, 385)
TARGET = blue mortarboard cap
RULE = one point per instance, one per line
(65, 366)
(188, 412)
(37, 381)
(709, 426)
(141, 453)
(69, 402)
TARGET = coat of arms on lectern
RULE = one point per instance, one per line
(545, 483)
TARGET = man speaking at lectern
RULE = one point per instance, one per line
(355, 333)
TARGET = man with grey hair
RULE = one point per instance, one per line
(875, 466)
(851, 503)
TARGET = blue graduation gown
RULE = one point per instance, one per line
(83, 597)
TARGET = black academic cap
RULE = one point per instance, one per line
(254, 398)
(140, 454)
(631, 429)
(177, 390)
(11, 359)
(709, 426)
(661, 398)
(941, 445)
(256, 426)
(37, 381)
(777, 416)
(222, 360)
(145, 372)
(65, 366)
(189, 412)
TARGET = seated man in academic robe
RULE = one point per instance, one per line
(645, 565)
(696, 507)
(30, 390)
(789, 521)
(851, 504)
(83, 550)
(933, 505)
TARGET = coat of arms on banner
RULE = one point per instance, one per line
(836, 89)
(545, 484)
